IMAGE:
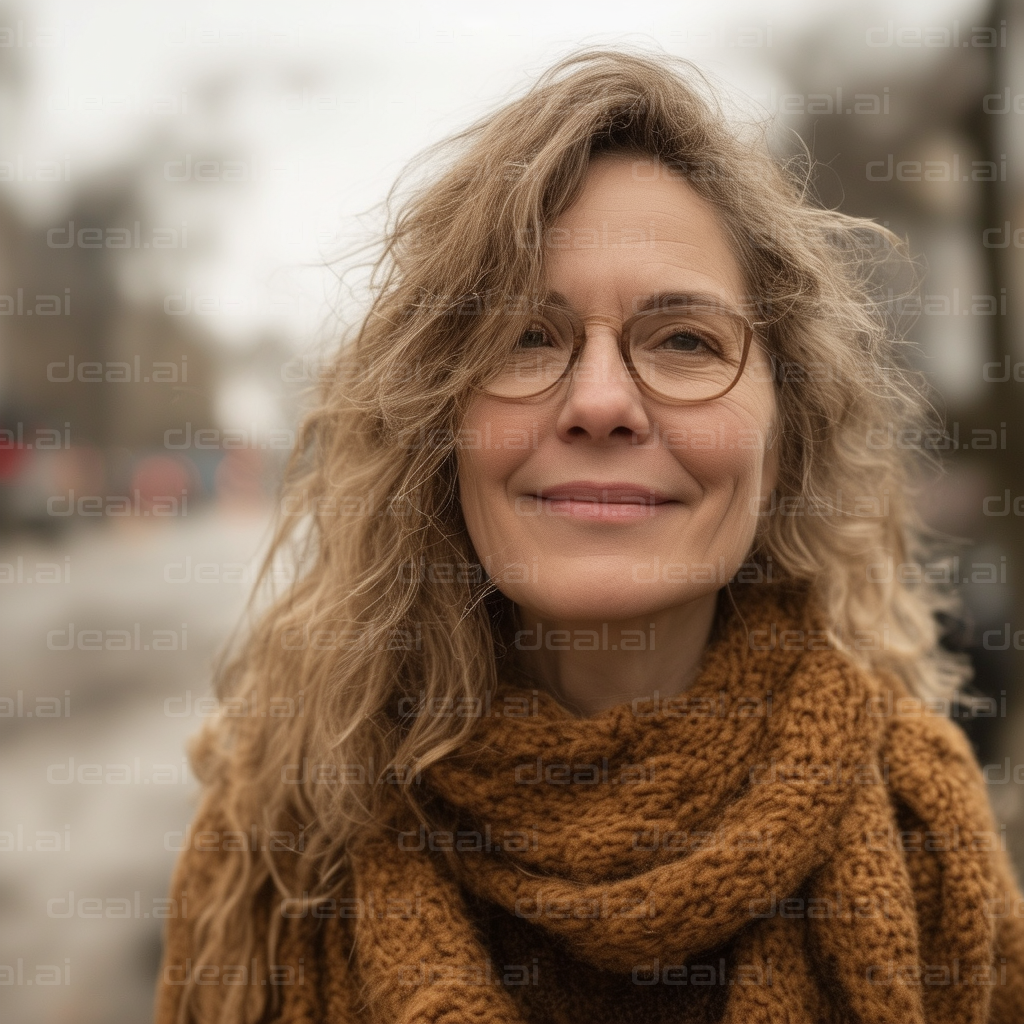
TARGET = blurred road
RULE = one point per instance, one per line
(93, 781)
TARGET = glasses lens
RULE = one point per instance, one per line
(692, 353)
(540, 348)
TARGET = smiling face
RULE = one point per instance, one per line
(545, 484)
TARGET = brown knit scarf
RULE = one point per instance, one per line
(790, 840)
(812, 826)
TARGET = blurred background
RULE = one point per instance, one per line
(175, 180)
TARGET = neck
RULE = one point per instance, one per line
(590, 665)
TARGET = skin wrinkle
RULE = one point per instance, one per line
(602, 427)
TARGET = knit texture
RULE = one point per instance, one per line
(792, 839)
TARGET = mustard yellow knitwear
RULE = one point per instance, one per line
(792, 839)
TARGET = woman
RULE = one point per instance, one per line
(591, 703)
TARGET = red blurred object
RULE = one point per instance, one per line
(12, 458)
(159, 478)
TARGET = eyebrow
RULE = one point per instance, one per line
(658, 300)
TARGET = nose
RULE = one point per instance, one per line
(602, 400)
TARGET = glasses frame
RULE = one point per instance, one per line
(579, 339)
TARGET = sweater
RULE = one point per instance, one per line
(793, 839)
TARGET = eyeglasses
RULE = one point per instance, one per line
(686, 352)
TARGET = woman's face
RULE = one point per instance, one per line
(635, 231)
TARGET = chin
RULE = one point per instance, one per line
(594, 600)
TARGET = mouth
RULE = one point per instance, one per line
(613, 501)
(610, 493)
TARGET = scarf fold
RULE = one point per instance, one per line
(816, 830)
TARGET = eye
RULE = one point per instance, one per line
(535, 337)
(687, 341)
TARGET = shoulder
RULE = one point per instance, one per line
(208, 844)
(193, 884)
(920, 732)
(221, 877)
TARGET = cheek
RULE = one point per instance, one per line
(494, 441)
(727, 447)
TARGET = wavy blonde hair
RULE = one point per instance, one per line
(370, 495)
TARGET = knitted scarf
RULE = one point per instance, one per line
(791, 839)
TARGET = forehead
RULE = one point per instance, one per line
(638, 227)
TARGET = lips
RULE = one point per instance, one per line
(611, 493)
